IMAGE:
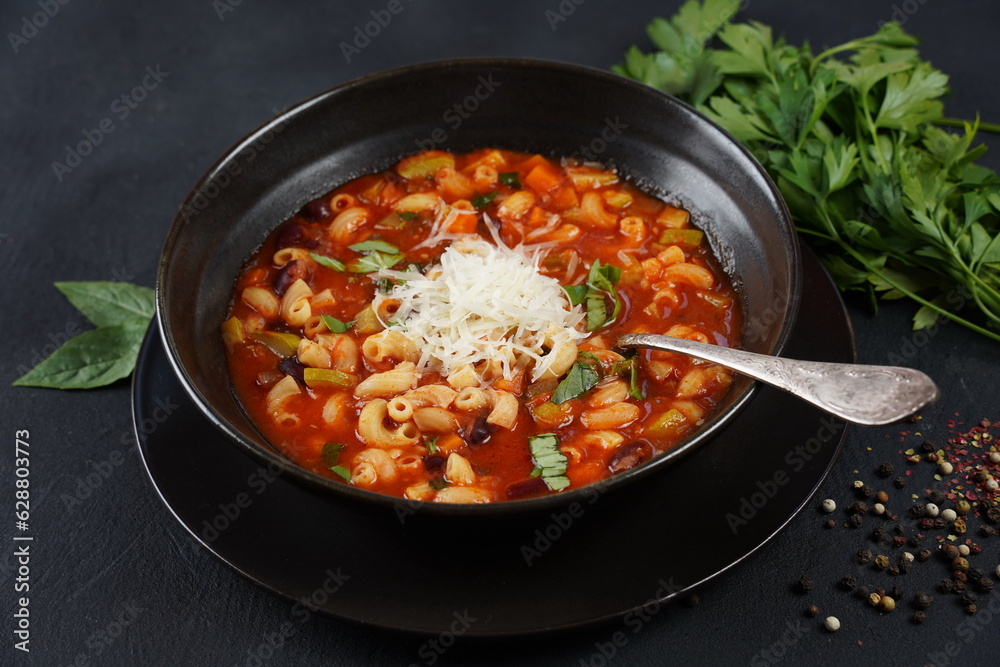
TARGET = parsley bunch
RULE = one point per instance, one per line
(894, 205)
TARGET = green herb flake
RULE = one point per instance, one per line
(628, 369)
(374, 245)
(431, 444)
(342, 471)
(374, 261)
(546, 457)
(576, 293)
(482, 201)
(438, 483)
(581, 377)
(330, 453)
(406, 215)
(335, 325)
(328, 262)
(510, 179)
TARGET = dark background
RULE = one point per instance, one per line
(116, 580)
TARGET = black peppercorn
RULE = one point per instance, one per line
(867, 491)
(899, 482)
(947, 586)
(923, 555)
(860, 507)
(919, 617)
(936, 497)
(974, 572)
(856, 520)
(959, 577)
(950, 551)
(923, 600)
(898, 541)
(812, 611)
(805, 584)
(899, 529)
(918, 511)
(940, 522)
(980, 477)
(984, 584)
(849, 582)
(959, 586)
(885, 469)
(968, 597)
(993, 514)
(864, 556)
(897, 593)
(905, 567)
(830, 523)
(893, 571)
(862, 592)
(915, 540)
(880, 534)
(927, 446)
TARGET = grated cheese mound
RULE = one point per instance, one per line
(482, 302)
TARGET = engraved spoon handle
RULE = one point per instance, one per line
(869, 395)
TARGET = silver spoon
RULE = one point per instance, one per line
(869, 395)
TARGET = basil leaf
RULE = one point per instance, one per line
(331, 452)
(602, 278)
(328, 262)
(110, 303)
(335, 325)
(576, 293)
(374, 246)
(374, 261)
(482, 201)
(342, 471)
(406, 215)
(546, 457)
(93, 359)
(581, 377)
(629, 369)
(511, 179)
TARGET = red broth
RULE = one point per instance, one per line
(478, 433)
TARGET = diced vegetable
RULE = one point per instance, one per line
(425, 165)
(587, 178)
(542, 178)
(550, 415)
(282, 344)
(618, 199)
(367, 322)
(689, 237)
(673, 217)
(233, 331)
(327, 377)
(670, 423)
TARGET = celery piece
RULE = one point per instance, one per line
(691, 237)
(233, 331)
(670, 423)
(282, 344)
(425, 165)
(327, 377)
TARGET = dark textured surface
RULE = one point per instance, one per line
(116, 580)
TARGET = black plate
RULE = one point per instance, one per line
(648, 541)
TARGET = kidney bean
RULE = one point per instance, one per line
(291, 236)
(317, 209)
(434, 462)
(289, 273)
(479, 432)
(528, 487)
(629, 456)
(292, 366)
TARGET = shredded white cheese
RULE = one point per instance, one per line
(482, 302)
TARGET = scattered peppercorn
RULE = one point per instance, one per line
(915, 540)
(881, 562)
(963, 550)
(969, 597)
(885, 469)
(899, 529)
(993, 515)
(859, 507)
(959, 586)
(887, 603)
(962, 507)
(862, 592)
(992, 485)
(907, 557)
(949, 514)
(805, 584)
(874, 599)
(856, 520)
(972, 609)
(994, 457)
(899, 482)
(980, 477)
(947, 586)
(864, 556)
(832, 623)
(867, 491)
(959, 577)
(812, 611)
(880, 534)
(923, 555)
(898, 541)
(937, 497)
(881, 497)
(927, 446)
(960, 527)
(927, 524)
(984, 584)
(974, 572)
(894, 571)
(931, 458)
(919, 617)
(923, 600)
(829, 505)
(830, 523)
(930, 509)
(950, 551)
(945, 468)
(878, 509)
(849, 582)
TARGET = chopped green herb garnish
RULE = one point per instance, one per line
(438, 483)
(406, 215)
(576, 293)
(535, 472)
(629, 369)
(328, 262)
(510, 178)
(432, 445)
(482, 201)
(335, 325)
(600, 281)
(581, 377)
(342, 471)
(375, 261)
(374, 246)
(546, 456)
(330, 453)
(384, 285)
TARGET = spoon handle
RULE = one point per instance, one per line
(869, 395)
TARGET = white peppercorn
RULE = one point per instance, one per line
(963, 549)
(832, 623)
(931, 510)
(946, 468)
(829, 505)
(878, 508)
(949, 514)
(994, 457)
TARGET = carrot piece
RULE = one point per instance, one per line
(543, 178)
(565, 197)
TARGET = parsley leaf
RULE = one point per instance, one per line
(482, 201)
(894, 205)
(335, 325)
(510, 178)
(328, 262)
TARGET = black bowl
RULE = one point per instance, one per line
(367, 125)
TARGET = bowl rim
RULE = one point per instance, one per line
(505, 507)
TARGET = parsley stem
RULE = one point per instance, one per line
(960, 122)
